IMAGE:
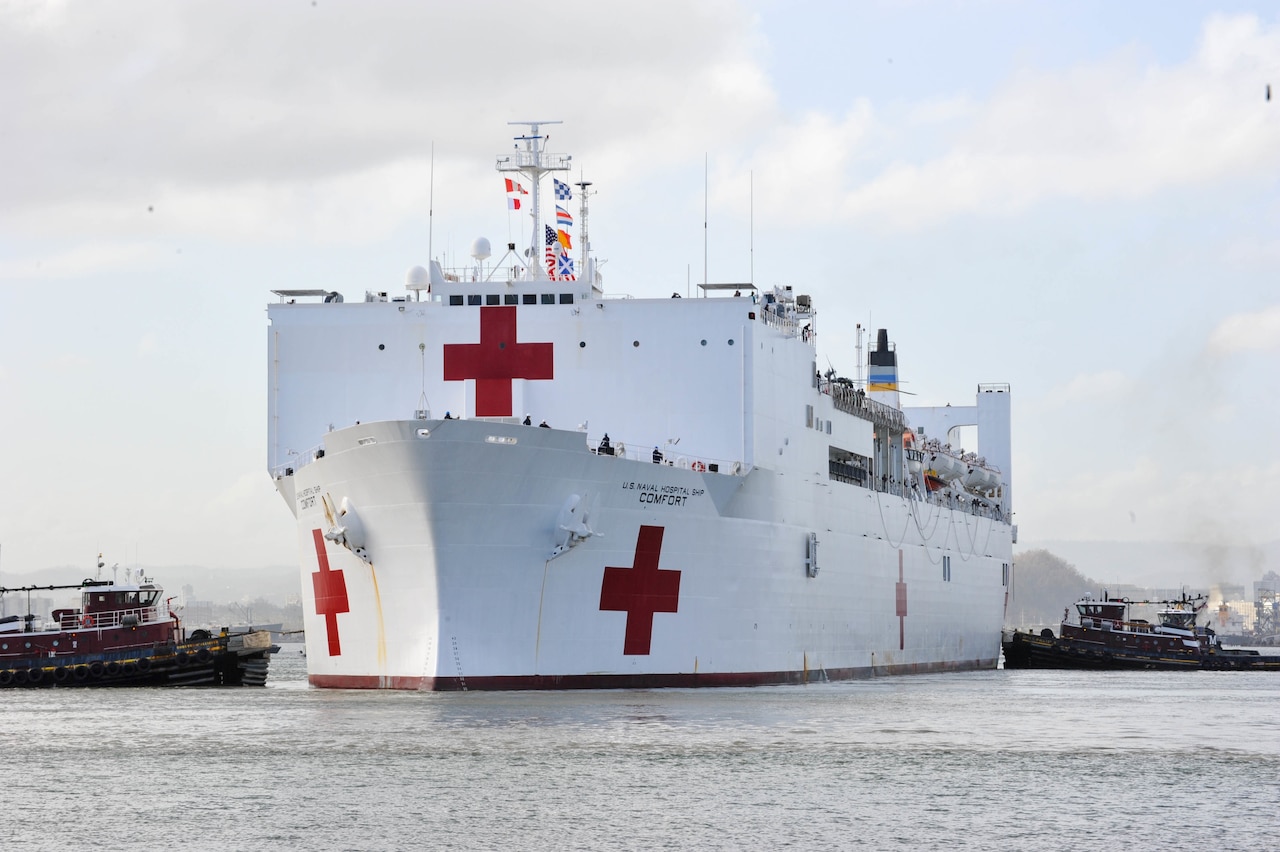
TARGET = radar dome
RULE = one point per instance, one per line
(417, 277)
(480, 248)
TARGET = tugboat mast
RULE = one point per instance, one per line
(533, 162)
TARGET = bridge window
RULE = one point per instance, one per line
(455, 299)
(548, 298)
(529, 299)
(566, 298)
(510, 299)
(473, 298)
(492, 299)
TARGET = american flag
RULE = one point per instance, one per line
(563, 193)
(553, 243)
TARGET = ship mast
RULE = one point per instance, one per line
(533, 162)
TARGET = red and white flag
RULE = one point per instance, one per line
(514, 191)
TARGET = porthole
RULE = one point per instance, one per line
(582, 344)
(381, 346)
(704, 341)
(635, 343)
(730, 341)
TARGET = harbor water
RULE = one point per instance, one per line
(986, 760)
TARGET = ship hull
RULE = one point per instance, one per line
(467, 576)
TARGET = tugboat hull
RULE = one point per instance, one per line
(1029, 651)
(225, 660)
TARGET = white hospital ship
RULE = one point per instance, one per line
(705, 506)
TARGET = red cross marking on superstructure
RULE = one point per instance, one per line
(641, 590)
(901, 589)
(331, 594)
(496, 360)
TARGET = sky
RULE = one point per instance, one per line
(1077, 199)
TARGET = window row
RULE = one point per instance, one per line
(510, 299)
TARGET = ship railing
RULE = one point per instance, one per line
(297, 461)
(683, 461)
(787, 320)
(117, 618)
(950, 500)
(855, 401)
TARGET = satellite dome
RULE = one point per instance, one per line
(480, 248)
(417, 277)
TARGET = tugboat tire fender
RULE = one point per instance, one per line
(129, 667)
(182, 659)
(144, 664)
(113, 668)
(6, 677)
(202, 656)
(81, 672)
(35, 675)
(95, 669)
(1046, 633)
(61, 673)
(19, 676)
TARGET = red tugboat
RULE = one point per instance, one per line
(1105, 637)
(118, 637)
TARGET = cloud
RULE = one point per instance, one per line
(229, 117)
(1258, 331)
(1102, 387)
(92, 257)
(1116, 129)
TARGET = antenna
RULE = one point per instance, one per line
(751, 229)
(858, 348)
(431, 204)
(706, 190)
(583, 246)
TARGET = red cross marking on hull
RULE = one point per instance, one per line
(496, 360)
(640, 591)
(901, 589)
(331, 594)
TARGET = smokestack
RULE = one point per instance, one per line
(882, 375)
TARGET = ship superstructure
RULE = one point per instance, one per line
(704, 506)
